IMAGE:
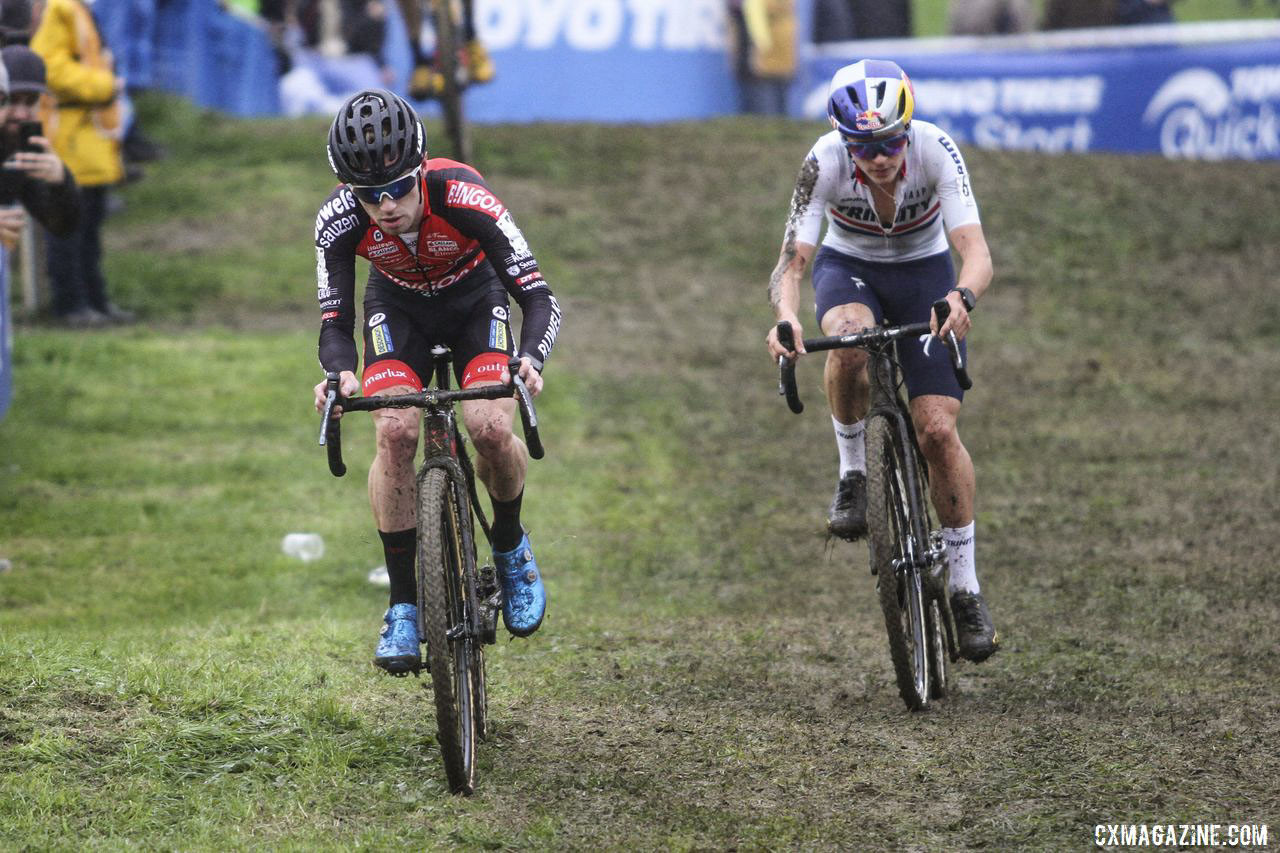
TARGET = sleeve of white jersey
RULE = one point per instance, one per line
(951, 178)
(809, 200)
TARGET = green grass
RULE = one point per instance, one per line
(712, 673)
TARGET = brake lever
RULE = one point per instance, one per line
(942, 310)
(330, 429)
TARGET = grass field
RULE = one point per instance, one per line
(712, 673)
(929, 17)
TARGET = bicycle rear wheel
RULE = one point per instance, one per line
(448, 44)
(892, 538)
(446, 600)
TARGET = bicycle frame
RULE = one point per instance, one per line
(918, 558)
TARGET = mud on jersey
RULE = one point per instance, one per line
(934, 190)
(466, 237)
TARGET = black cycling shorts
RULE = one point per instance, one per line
(897, 294)
(401, 327)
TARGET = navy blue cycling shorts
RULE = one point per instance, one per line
(896, 293)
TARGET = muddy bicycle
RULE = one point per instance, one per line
(907, 553)
(458, 601)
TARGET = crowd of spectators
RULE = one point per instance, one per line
(763, 32)
(65, 118)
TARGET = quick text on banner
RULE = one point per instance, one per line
(599, 25)
(1202, 117)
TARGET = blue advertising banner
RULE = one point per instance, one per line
(1209, 100)
(604, 60)
(6, 337)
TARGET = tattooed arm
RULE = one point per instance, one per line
(794, 259)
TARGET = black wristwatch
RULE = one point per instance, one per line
(966, 296)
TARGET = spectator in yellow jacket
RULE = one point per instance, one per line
(86, 131)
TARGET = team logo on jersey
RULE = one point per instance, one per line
(382, 339)
(513, 270)
(378, 236)
(498, 335)
(500, 312)
(525, 279)
(475, 197)
(377, 319)
(440, 244)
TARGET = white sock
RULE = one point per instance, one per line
(850, 441)
(959, 544)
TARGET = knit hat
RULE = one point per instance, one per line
(15, 21)
(25, 69)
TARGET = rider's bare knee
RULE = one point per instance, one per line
(397, 436)
(847, 360)
(491, 438)
(936, 433)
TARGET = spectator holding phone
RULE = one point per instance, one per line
(86, 131)
(32, 177)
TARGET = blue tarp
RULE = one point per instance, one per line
(218, 59)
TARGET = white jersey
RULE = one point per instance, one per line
(934, 189)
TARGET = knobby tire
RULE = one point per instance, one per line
(890, 534)
(445, 599)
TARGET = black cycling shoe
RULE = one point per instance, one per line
(847, 517)
(978, 637)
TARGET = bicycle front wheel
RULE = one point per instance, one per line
(894, 548)
(445, 604)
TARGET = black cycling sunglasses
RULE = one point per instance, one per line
(395, 190)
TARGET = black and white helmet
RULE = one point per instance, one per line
(375, 138)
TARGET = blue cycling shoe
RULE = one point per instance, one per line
(524, 601)
(398, 649)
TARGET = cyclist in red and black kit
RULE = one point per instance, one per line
(444, 254)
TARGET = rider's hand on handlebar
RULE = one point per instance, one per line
(958, 321)
(532, 378)
(775, 348)
(348, 385)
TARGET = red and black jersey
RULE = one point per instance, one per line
(467, 237)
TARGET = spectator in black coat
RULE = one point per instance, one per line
(33, 179)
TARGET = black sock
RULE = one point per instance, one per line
(400, 549)
(506, 529)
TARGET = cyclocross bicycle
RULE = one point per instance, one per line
(907, 554)
(447, 16)
(458, 603)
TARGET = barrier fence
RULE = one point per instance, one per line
(1207, 90)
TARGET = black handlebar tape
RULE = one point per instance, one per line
(331, 428)
(528, 415)
(787, 370)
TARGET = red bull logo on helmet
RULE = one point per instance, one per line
(868, 120)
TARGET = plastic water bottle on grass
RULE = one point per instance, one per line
(304, 546)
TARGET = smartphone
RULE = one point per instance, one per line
(26, 130)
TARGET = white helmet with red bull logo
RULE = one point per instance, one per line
(870, 100)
